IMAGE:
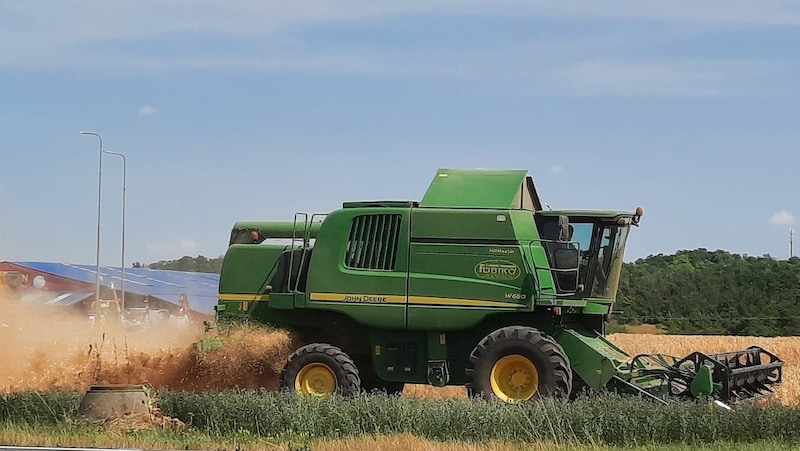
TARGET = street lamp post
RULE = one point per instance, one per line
(99, 195)
(122, 266)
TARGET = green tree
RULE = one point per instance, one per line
(712, 292)
(193, 264)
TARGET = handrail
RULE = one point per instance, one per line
(293, 289)
(541, 242)
(304, 244)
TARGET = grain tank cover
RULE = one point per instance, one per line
(480, 188)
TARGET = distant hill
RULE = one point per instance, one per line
(712, 292)
(186, 263)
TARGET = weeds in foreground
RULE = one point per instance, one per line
(257, 417)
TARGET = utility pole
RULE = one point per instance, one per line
(99, 194)
(122, 264)
(791, 242)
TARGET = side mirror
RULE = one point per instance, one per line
(638, 216)
(564, 232)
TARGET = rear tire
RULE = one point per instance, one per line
(518, 363)
(320, 369)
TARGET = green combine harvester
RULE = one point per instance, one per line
(475, 285)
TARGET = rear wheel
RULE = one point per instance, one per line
(518, 363)
(320, 369)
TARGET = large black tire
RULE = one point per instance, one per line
(518, 363)
(320, 369)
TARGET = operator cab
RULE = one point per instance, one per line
(585, 250)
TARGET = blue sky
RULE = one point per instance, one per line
(253, 110)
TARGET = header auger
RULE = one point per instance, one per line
(474, 285)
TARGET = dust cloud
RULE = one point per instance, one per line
(50, 348)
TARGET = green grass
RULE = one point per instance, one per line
(39, 408)
(606, 419)
(88, 434)
(84, 434)
(250, 419)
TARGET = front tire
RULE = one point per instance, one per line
(320, 369)
(518, 363)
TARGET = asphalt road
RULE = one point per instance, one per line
(35, 448)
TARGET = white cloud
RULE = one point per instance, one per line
(147, 110)
(171, 249)
(557, 169)
(188, 245)
(76, 33)
(682, 78)
(782, 217)
(84, 34)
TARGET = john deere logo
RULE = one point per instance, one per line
(497, 270)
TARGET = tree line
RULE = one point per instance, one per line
(712, 292)
(186, 263)
(691, 292)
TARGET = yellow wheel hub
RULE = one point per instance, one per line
(315, 379)
(514, 378)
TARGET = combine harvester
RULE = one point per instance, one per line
(475, 285)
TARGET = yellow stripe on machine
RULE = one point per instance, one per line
(233, 297)
(427, 300)
(412, 300)
(360, 298)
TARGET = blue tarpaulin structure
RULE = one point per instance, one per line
(64, 299)
(201, 289)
